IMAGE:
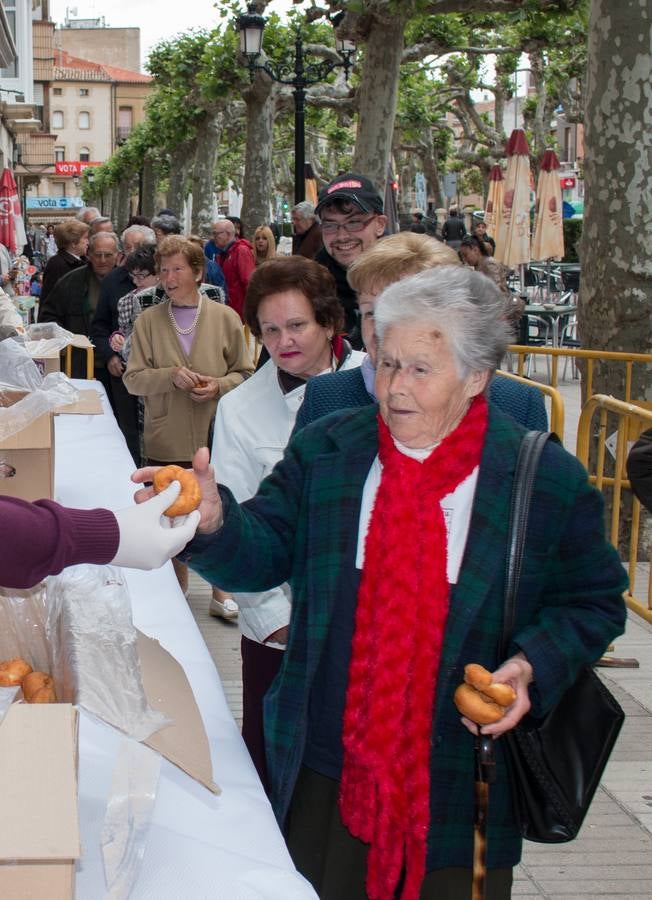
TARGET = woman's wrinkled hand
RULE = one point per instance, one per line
(210, 508)
(207, 388)
(518, 673)
(184, 378)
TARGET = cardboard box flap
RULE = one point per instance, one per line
(184, 742)
(37, 881)
(88, 404)
(38, 783)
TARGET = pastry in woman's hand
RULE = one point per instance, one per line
(480, 699)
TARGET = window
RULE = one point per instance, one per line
(83, 92)
(125, 122)
(57, 119)
(11, 71)
(84, 120)
(59, 154)
(84, 154)
(57, 91)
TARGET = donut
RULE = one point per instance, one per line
(476, 706)
(190, 496)
(38, 687)
(479, 678)
(480, 699)
(12, 671)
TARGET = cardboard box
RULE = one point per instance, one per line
(30, 452)
(51, 361)
(39, 827)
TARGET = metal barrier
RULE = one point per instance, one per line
(556, 401)
(90, 361)
(591, 356)
(631, 421)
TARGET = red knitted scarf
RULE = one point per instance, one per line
(399, 630)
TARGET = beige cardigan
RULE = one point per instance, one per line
(176, 426)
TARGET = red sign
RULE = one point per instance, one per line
(567, 182)
(72, 168)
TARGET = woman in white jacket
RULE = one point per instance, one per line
(292, 305)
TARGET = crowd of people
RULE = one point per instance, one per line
(356, 481)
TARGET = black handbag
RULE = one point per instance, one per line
(554, 763)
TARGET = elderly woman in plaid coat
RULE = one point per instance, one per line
(390, 523)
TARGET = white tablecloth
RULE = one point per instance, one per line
(199, 846)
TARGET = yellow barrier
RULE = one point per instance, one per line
(631, 421)
(90, 361)
(556, 401)
(628, 359)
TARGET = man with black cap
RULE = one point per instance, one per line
(352, 220)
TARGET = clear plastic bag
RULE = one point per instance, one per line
(44, 338)
(19, 373)
(93, 645)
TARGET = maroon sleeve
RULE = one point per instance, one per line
(42, 538)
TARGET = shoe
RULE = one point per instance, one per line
(225, 609)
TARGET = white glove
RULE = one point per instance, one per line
(147, 537)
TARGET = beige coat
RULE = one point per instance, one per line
(176, 426)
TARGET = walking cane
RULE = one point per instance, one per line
(485, 774)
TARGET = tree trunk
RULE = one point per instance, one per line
(258, 186)
(180, 158)
(149, 189)
(377, 98)
(615, 301)
(122, 209)
(203, 173)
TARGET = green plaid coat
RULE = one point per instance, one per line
(570, 606)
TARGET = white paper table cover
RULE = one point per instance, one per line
(199, 846)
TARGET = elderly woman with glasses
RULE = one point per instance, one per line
(390, 524)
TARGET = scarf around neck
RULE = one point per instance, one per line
(400, 622)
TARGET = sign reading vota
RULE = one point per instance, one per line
(73, 167)
(53, 203)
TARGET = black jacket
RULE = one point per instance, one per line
(639, 468)
(346, 295)
(105, 321)
(59, 265)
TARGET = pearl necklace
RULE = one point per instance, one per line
(194, 321)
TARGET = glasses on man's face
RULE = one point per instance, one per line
(351, 226)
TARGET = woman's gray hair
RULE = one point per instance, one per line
(465, 306)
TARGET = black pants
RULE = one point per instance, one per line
(335, 863)
(260, 665)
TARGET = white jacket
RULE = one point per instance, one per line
(253, 424)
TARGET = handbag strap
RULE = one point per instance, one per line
(526, 468)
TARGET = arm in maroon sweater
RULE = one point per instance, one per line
(42, 538)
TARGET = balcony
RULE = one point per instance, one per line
(122, 133)
(43, 50)
(36, 153)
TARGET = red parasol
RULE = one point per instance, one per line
(12, 229)
(548, 242)
(494, 208)
(513, 236)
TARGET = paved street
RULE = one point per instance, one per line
(612, 858)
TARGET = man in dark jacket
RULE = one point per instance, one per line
(352, 220)
(105, 321)
(74, 298)
(453, 229)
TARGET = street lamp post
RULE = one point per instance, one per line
(299, 77)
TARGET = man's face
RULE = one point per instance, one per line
(300, 224)
(103, 257)
(223, 234)
(348, 234)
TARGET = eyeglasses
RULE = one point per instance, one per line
(139, 276)
(352, 226)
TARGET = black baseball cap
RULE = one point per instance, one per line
(354, 189)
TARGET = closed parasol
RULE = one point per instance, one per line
(513, 235)
(548, 241)
(311, 184)
(494, 207)
(12, 229)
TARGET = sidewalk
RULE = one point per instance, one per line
(612, 858)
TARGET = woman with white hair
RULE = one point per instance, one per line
(390, 524)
